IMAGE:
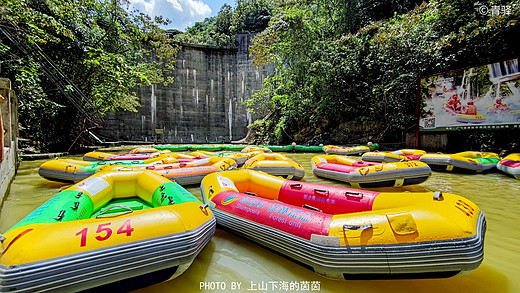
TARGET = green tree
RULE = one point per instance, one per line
(348, 80)
(107, 52)
(249, 16)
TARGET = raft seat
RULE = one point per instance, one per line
(123, 205)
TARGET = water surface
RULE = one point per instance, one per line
(231, 260)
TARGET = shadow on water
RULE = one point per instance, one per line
(483, 280)
(230, 259)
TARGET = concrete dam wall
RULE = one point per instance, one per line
(204, 104)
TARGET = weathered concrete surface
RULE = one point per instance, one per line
(9, 112)
(204, 104)
(433, 141)
(32, 157)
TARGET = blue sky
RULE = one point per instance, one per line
(182, 13)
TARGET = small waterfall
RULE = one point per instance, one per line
(243, 83)
(513, 88)
(230, 118)
(195, 88)
(153, 106)
(191, 137)
(503, 69)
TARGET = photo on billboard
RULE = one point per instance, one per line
(484, 97)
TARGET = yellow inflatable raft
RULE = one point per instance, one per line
(510, 165)
(70, 170)
(114, 230)
(184, 173)
(395, 156)
(346, 233)
(275, 164)
(256, 148)
(361, 174)
(193, 172)
(462, 162)
(240, 158)
(102, 156)
(143, 151)
(338, 150)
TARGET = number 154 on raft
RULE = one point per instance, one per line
(104, 232)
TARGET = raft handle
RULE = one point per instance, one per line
(354, 195)
(211, 190)
(357, 227)
(311, 208)
(437, 195)
(321, 191)
(76, 206)
(203, 207)
(251, 193)
(2, 238)
(60, 215)
(79, 194)
(170, 198)
(296, 185)
(129, 210)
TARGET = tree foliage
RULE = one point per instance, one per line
(348, 70)
(105, 50)
(248, 17)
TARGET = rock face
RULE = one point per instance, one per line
(204, 104)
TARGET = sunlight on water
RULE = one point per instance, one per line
(228, 258)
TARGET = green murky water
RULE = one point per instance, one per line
(231, 260)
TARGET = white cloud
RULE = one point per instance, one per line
(181, 13)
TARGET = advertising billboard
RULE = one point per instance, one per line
(484, 97)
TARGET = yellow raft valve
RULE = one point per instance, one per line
(437, 195)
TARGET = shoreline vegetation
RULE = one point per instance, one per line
(345, 71)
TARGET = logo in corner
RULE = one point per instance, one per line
(229, 200)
